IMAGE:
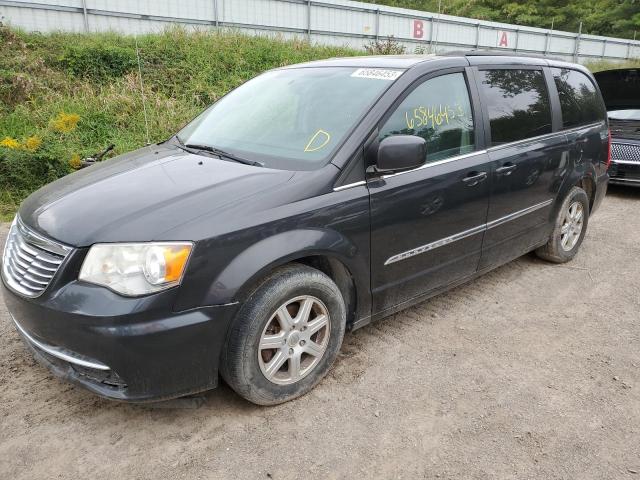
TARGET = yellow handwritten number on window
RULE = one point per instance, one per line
(318, 141)
(433, 116)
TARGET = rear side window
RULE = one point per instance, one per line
(579, 98)
(517, 102)
(439, 111)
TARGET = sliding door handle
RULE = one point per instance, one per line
(474, 178)
(506, 169)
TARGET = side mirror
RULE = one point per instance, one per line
(401, 152)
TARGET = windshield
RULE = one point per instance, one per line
(624, 114)
(291, 119)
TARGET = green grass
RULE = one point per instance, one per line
(606, 65)
(96, 77)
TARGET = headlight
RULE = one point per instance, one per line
(136, 268)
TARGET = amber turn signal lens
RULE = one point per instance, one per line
(175, 261)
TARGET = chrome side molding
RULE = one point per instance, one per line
(436, 163)
(518, 214)
(421, 167)
(467, 233)
(433, 245)
(349, 185)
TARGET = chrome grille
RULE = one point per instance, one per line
(30, 260)
(626, 152)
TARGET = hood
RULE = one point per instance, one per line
(140, 195)
(620, 88)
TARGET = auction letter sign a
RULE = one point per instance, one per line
(504, 39)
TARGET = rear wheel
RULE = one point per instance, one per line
(285, 337)
(569, 229)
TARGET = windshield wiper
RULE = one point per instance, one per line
(179, 140)
(221, 153)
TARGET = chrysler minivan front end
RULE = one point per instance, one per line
(118, 337)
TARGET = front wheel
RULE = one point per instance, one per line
(285, 337)
(569, 229)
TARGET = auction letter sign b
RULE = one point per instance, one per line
(418, 29)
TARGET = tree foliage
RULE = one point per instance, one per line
(616, 18)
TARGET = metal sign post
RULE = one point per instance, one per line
(577, 45)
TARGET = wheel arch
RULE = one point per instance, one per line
(588, 184)
(583, 177)
(325, 250)
(337, 271)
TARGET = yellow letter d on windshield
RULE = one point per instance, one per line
(318, 141)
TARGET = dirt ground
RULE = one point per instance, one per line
(532, 371)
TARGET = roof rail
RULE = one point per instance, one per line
(497, 53)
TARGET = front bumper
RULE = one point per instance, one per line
(126, 349)
(625, 173)
(625, 162)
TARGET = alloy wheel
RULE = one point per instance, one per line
(294, 340)
(572, 226)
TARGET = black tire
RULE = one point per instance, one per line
(241, 367)
(553, 250)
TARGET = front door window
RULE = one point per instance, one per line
(439, 111)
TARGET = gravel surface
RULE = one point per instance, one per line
(531, 371)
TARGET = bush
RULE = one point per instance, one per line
(98, 62)
(20, 170)
(390, 46)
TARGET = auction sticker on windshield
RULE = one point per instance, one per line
(377, 73)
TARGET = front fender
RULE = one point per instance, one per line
(234, 281)
(262, 257)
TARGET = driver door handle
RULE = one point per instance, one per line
(474, 178)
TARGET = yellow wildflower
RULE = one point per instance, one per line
(32, 143)
(9, 142)
(65, 122)
(75, 161)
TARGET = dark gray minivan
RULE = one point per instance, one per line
(313, 199)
